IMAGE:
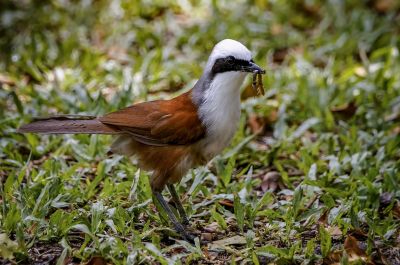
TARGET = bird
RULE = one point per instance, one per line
(170, 137)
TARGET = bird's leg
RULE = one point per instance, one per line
(178, 204)
(177, 225)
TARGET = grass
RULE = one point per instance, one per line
(312, 176)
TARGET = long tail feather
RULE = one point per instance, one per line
(68, 124)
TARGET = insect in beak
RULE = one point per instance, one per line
(257, 83)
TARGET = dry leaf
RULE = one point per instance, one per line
(256, 124)
(323, 219)
(334, 231)
(279, 55)
(333, 258)
(210, 255)
(396, 130)
(353, 250)
(271, 181)
(259, 124)
(4, 79)
(97, 261)
(206, 237)
(309, 8)
(226, 202)
(359, 233)
(272, 117)
(211, 228)
(396, 210)
(345, 111)
(235, 240)
(383, 6)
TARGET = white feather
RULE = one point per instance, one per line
(220, 112)
(226, 48)
(219, 109)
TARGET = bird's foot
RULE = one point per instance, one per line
(185, 221)
(185, 234)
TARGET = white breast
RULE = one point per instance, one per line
(220, 112)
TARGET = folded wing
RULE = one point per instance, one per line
(159, 123)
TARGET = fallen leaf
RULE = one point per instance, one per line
(68, 260)
(226, 202)
(323, 219)
(97, 261)
(320, 62)
(279, 55)
(309, 8)
(178, 250)
(353, 250)
(345, 111)
(234, 240)
(260, 124)
(334, 231)
(211, 228)
(359, 233)
(383, 6)
(206, 237)
(272, 117)
(396, 210)
(271, 181)
(256, 124)
(333, 258)
(210, 255)
(396, 130)
(5, 79)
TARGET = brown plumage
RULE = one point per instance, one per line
(160, 122)
(161, 133)
(73, 124)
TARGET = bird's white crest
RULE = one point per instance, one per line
(227, 48)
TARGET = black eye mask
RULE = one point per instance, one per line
(228, 64)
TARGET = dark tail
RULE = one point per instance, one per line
(65, 124)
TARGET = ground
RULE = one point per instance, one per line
(311, 177)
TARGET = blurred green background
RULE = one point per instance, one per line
(315, 162)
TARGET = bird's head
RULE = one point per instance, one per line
(229, 63)
(231, 56)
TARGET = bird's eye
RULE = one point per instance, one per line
(230, 58)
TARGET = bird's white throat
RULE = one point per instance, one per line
(220, 111)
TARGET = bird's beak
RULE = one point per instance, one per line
(252, 68)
